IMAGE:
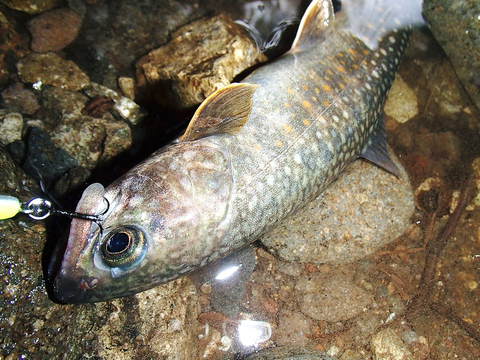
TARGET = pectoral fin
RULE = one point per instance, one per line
(224, 111)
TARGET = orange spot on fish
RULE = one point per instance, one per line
(353, 52)
(326, 103)
(306, 88)
(278, 143)
(290, 91)
(287, 105)
(341, 68)
(317, 90)
(327, 87)
(288, 128)
(366, 52)
(306, 104)
(307, 122)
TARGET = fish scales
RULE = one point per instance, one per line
(310, 113)
(311, 135)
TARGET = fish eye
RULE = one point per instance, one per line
(123, 247)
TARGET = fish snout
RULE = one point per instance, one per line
(69, 289)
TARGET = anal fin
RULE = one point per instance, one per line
(377, 152)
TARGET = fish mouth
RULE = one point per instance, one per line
(68, 289)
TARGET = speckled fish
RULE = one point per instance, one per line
(253, 153)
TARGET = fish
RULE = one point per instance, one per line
(253, 153)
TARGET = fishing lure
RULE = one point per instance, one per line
(39, 209)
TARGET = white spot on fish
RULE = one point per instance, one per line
(297, 158)
(375, 74)
(373, 62)
(288, 170)
(367, 85)
(318, 134)
(345, 114)
(391, 39)
(270, 180)
(335, 118)
(383, 51)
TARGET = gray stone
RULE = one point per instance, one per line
(331, 296)
(456, 26)
(365, 209)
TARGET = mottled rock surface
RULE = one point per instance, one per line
(31, 6)
(18, 98)
(332, 296)
(289, 353)
(456, 27)
(53, 30)
(11, 126)
(51, 69)
(388, 345)
(365, 209)
(202, 57)
(402, 102)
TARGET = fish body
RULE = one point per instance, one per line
(254, 153)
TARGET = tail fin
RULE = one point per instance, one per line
(371, 20)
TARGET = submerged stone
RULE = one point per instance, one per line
(365, 209)
(456, 26)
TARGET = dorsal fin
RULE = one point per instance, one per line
(318, 16)
(224, 111)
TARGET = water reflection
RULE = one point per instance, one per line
(253, 333)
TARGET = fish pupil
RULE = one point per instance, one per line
(118, 243)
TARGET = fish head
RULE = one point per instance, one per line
(164, 219)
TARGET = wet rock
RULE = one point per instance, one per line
(365, 209)
(158, 323)
(202, 57)
(388, 345)
(12, 47)
(11, 127)
(332, 296)
(139, 26)
(123, 106)
(289, 353)
(127, 86)
(53, 30)
(43, 159)
(293, 329)
(17, 98)
(95, 139)
(402, 102)
(455, 25)
(51, 69)
(31, 6)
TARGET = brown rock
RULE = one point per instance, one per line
(54, 30)
(31, 6)
(17, 98)
(202, 57)
(51, 69)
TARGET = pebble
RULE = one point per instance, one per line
(17, 98)
(388, 345)
(31, 6)
(54, 30)
(365, 209)
(402, 103)
(51, 69)
(201, 58)
(11, 126)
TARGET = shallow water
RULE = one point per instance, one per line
(253, 300)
